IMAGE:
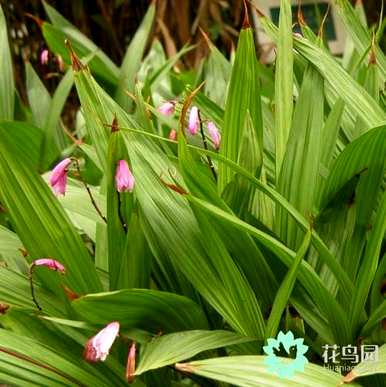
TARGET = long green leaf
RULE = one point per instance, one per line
(141, 308)
(41, 222)
(284, 292)
(251, 371)
(369, 264)
(370, 367)
(7, 84)
(23, 358)
(132, 59)
(357, 99)
(283, 83)
(243, 95)
(307, 277)
(174, 347)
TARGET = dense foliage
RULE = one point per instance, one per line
(189, 217)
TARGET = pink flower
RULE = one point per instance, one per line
(50, 263)
(194, 121)
(130, 368)
(167, 108)
(44, 57)
(173, 135)
(214, 134)
(58, 179)
(124, 179)
(98, 347)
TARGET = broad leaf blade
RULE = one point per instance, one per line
(7, 85)
(175, 347)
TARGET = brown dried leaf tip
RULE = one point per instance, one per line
(349, 377)
(4, 308)
(76, 63)
(114, 125)
(300, 15)
(173, 187)
(184, 367)
(373, 52)
(36, 19)
(246, 23)
(71, 295)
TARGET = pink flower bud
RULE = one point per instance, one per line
(130, 368)
(50, 263)
(214, 134)
(98, 347)
(124, 179)
(194, 121)
(173, 135)
(44, 57)
(167, 108)
(58, 179)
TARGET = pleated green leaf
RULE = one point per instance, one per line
(101, 64)
(28, 362)
(251, 371)
(369, 264)
(24, 140)
(285, 290)
(283, 83)
(299, 179)
(243, 95)
(10, 246)
(357, 99)
(55, 136)
(358, 33)
(41, 222)
(366, 368)
(7, 84)
(141, 308)
(306, 275)
(132, 59)
(174, 347)
(163, 210)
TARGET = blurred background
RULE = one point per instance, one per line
(111, 24)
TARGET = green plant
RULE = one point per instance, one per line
(195, 252)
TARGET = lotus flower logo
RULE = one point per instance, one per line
(276, 365)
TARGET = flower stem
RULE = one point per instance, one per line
(205, 142)
(122, 220)
(30, 275)
(93, 202)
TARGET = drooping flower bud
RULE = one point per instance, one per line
(173, 135)
(214, 134)
(98, 347)
(50, 263)
(194, 121)
(167, 108)
(44, 55)
(124, 179)
(130, 368)
(58, 179)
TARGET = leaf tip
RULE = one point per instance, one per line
(373, 55)
(301, 20)
(75, 62)
(36, 19)
(114, 124)
(246, 23)
(4, 308)
(349, 377)
(184, 367)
